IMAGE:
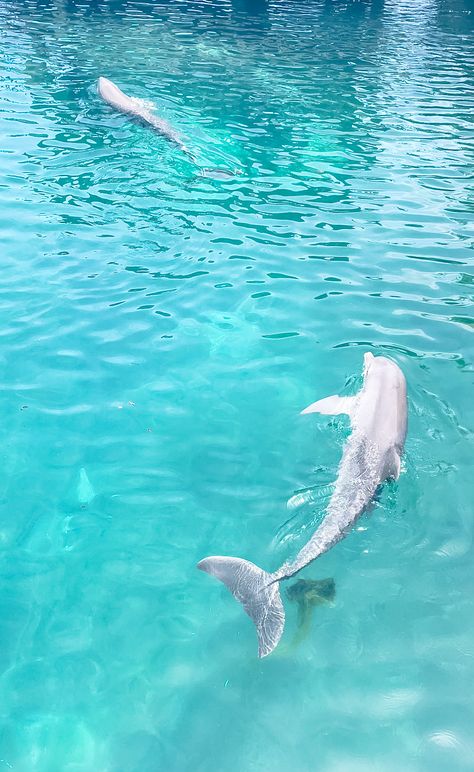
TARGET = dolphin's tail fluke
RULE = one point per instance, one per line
(258, 594)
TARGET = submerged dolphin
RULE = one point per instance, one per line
(371, 455)
(113, 96)
(85, 491)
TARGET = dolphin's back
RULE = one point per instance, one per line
(114, 97)
(381, 412)
(371, 455)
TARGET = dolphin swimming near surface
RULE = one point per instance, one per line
(371, 455)
(137, 108)
(141, 111)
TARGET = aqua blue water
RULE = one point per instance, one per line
(160, 332)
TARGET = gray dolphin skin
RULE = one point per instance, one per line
(113, 96)
(371, 455)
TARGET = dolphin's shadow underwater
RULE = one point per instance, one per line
(308, 594)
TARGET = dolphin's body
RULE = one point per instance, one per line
(113, 96)
(371, 455)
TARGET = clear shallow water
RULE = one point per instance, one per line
(160, 334)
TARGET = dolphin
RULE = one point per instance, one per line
(371, 455)
(137, 108)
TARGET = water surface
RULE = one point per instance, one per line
(160, 332)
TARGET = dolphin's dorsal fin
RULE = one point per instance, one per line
(333, 405)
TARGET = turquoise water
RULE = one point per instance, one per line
(160, 332)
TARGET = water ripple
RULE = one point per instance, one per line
(161, 331)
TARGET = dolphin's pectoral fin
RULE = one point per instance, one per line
(396, 466)
(393, 464)
(333, 405)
